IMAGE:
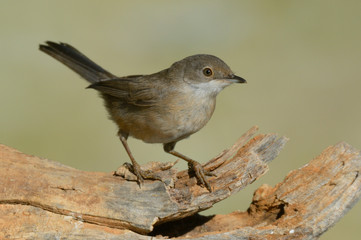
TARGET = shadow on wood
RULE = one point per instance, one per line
(44, 199)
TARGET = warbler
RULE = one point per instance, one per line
(164, 107)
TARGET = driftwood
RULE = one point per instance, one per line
(41, 199)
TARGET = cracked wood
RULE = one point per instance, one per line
(104, 199)
(310, 200)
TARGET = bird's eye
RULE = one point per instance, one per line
(207, 72)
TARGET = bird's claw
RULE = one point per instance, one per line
(201, 173)
(143, 174)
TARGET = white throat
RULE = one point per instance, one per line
(209, 89)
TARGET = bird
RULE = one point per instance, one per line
(164, 107)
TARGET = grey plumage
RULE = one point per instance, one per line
(164, 107)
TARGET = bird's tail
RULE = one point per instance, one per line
(76, 61)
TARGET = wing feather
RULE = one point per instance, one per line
(131, 90)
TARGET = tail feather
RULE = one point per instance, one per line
(76, 61)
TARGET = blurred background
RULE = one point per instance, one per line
(301, 60)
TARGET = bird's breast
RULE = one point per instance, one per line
(173, 119)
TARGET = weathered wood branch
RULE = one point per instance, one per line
(40, 198)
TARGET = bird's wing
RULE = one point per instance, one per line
(131, 90)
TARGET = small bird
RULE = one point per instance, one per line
(164, 107)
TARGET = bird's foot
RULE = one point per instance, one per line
(201, 173)
(143, 174)
(139, 173)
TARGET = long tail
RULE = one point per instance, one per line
(76, 61)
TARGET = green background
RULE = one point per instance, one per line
(302, 61)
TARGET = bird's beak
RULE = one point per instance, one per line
(235, 79)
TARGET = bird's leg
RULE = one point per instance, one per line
(199, 171)
(141, 175)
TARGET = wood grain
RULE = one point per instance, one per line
(42, 199)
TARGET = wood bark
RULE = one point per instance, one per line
(42, 199)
